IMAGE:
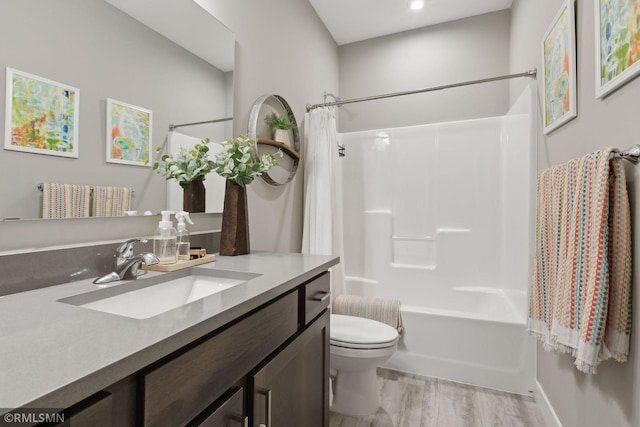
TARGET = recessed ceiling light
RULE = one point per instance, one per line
(416, 4)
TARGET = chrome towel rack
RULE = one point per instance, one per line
(632, 154)
(41, 188)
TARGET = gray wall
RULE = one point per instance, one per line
(467, 49)
(611, 397)
(282, 48)
(106, 54)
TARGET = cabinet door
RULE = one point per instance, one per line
(229, 414)
(292, 389)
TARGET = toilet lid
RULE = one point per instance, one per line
(359, 332)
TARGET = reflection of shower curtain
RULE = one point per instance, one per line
(322, 232)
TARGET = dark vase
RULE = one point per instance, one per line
(194, 196)
(234, 236)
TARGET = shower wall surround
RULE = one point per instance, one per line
(438, 216)
(434, 207)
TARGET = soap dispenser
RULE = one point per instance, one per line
(182, 239)
(164, 240)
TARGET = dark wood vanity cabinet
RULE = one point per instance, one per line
(269, 368)
(176, 391)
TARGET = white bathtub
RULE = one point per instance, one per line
(474, 337)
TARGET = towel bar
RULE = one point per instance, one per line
(40, 187)
(632, 154)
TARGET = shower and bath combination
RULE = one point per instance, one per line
(446, 230)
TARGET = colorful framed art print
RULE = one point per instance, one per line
(41, 115)
(559, 69)
(128, 134)
(617, 25)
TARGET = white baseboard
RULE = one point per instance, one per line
(550, 416)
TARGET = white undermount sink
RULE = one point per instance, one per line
(158, 298)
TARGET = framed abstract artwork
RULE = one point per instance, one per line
(617, 25)
(41, 115)
(559, 69)
(128, 134)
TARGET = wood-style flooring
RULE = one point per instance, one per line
(414, 401)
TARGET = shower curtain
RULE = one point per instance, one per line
(322, 228)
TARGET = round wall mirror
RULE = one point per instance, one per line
(268, 140)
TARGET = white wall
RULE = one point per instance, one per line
(468, 49)
(611, 397)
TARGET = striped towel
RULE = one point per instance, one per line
(110, 201)
(65, 200)
(383, 310)
(580, 298)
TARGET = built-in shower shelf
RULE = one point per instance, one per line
(453, 230)
(413, 251)
(377, 211)
(413, 266)
(418, 238)
(288, 150)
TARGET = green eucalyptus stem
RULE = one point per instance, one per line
(187, 165)
(235, 162)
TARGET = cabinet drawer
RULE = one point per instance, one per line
(317, 295)
(229, 414)
(95, 411)
(174, 393)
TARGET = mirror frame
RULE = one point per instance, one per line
(254, 116)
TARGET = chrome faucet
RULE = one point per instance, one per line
(126, 265)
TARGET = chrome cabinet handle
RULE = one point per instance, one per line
(267, 393)
(324, 297)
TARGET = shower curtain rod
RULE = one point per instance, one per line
(226, 119)
(531, 73)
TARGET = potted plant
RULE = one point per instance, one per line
(237, 164)
(189, 168)
(279, 126)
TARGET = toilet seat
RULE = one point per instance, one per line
(361, 333)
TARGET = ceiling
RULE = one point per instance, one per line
(349, 21)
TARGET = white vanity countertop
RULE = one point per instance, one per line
(54, 354)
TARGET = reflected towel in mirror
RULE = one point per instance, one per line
(65, 200)
(110, 201)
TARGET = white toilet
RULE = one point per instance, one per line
(358, 346)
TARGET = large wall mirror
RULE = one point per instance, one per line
(170, 57)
